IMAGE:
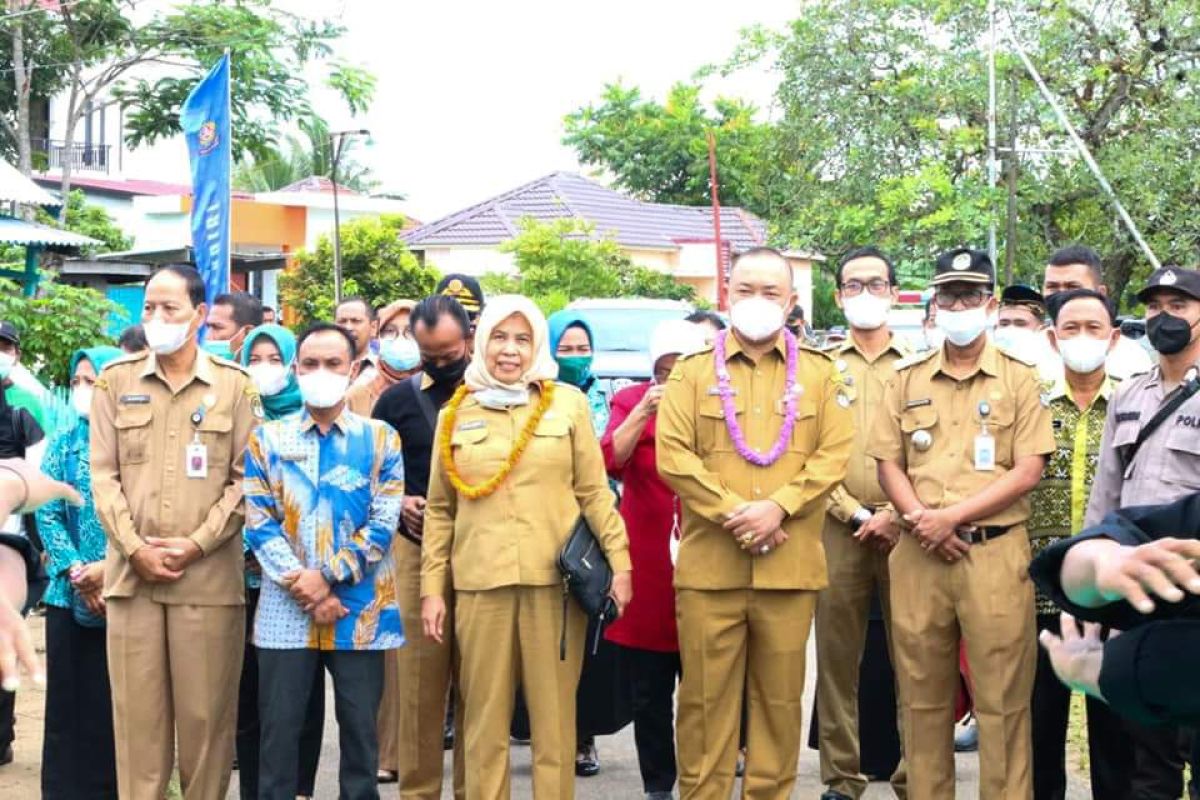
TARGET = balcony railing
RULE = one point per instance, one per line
(81, 157)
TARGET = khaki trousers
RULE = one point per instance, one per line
(508, 638)
(417, 679)
(174, 672)
(986, 600)
(729, 639)
(843, 611)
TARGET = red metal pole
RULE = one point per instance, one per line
(714, 188)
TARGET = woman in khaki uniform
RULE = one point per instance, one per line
(516, 463)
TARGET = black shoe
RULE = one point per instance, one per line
(832, 795)
(587, 761)
(7, 756)
(448, 735)
(739, 769)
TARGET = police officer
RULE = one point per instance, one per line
(1149, 457)
(752, 435)
(962, 438)
(860, 529)
(168, 431)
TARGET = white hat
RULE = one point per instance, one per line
(675, 337)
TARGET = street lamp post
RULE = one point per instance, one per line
(337, 141)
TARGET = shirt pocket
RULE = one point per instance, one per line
(551, 442)
(805, 432)
(1182, 465)
(917, 426)
(1001, 424)
(1124, 435)
(712, 435)
(216, 434)
(469, 444)
(133, 434)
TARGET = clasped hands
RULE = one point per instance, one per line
(756, 526)
(164, 559)
(937, 531)
(312, 593)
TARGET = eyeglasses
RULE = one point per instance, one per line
(876, 286)
(971, 298)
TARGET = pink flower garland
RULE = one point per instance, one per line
(731, 422)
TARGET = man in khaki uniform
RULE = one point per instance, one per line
(168, 431)
(753, 487)
(861, 527)
(961, 440)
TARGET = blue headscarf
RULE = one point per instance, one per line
(575, 370)
(287, 401)
(98, 356)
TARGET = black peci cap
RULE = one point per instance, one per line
(964, 264)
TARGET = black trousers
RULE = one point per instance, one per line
(1110, 747)
(285, 680)
(1159, 754)
(248, 728)
(78, 757)
(8, 718)
(652, 676)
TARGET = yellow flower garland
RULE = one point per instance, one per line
(493, 483)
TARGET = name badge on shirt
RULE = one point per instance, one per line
(715, 391)
(985, 453)
(473, 425)
(196, 456)
(135, 399)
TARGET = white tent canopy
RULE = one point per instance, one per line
(16, 188)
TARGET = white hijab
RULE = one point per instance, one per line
(487, 389)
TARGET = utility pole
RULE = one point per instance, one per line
(337, 140)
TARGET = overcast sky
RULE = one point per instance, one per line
(471, 94)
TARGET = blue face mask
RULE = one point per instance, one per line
(400, 354)
(219, 349)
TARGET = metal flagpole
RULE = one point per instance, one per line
(229, 182)
(991, 123)
(1081, 146)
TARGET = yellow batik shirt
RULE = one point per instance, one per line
(1060, 499)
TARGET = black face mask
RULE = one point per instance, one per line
(1168, 333)
(447, 374)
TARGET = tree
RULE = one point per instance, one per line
(56, 323)
(303, 159)
(89, 220)
(881, 131)
(659, 152)
(375, 264)
(562, 260)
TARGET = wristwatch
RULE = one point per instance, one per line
(861, 517)
(328, 575)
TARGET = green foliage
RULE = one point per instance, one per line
(660, 152)
(375, 264)
(879, 131)
(92, 221)
(562, 260)
(302, 159)
(58, 321)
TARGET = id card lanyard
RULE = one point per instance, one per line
(196, 453)
(985, 443)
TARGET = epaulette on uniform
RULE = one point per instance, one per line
(915, 358)
(128, 358)
(708, 348)
(225, 362)
(829, 354)
(1017, 357)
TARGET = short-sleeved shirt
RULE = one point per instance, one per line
(697, 457)
(141, 430)
(1167, 465)
(924, 397)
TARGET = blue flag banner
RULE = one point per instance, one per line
(206, 126)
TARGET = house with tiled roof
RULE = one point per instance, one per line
(677, 240)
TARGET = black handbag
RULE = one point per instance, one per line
(587, 575)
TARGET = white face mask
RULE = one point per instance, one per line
(323, 389)
(866, 311)
(165, 338)
(81, 400)
(7, 362)
(934, 338)
(757, 318)
(271, 379)
(400, 354)
(1083, 354)
(1020, 341)
(962, 327)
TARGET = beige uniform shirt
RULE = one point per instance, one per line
(140, 432)
(924, 403)
(865, 381)
(697, 459)
(513, 536)
(1167, 465)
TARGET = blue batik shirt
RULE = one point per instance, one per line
(331, 500)
(70, 535)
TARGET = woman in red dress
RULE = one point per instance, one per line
(646, 633)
